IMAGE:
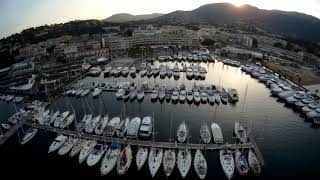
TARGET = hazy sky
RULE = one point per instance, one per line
(17, 15)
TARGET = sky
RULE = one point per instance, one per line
(16, 15)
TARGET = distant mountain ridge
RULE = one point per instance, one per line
(294, 24)
(124, 17)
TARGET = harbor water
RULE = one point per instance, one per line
(289, 144)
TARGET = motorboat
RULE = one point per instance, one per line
(175, 96)
(110, 159)
(200, 164)
(176, 73)
(241, 163)
(30, 133)
(161, 95)
(85, 92)
(227, 162)
(67, 146)
(169, 72)
(182, 132)
(196, 97)
(124, 160)
(254, 163)
(216, 133)
(233, 95)
(211, 98)
(133, 127)
(146, 128)
(196, 73)
(133, 95)
(189, 73)
(140, 95)
(141, 157)
(120, 93)
(204, 97)
(169, 161)
(96, 154)
(143, 72)
(111, 127)
(96, 92)
(107, 71)
(76, 148)
(95, 71)
(18, 99)
(86, 149)
(133, 71)
(102, 125)
(154, 95)
(205, 134)
(125, 71)
(184, 161)
(240, 132)
(163, 72)
(93, 124)
(5, 126)
(224, 96)
(156, 72)
(154, 160)
(217, 98)
(57, 143)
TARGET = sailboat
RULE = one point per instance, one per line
(216, 133)
(141, 157)
(205, 134)
(182, 132)
(111, 127)
(169, 161)
(102, 125)
(67, 121)
(77, 147)
(227, 163)
(58, 120)
(93, 123)
(85, 151)
(254, 163)
(241, 163)
(154, 160)
(240, 132)
(29, 135)
(96, 154)
(67, 146)
(200, 164)
(184, 162)
(124, 160)
(84, 123)
(110, 158)
(57, 143)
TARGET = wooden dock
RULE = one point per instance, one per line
(146, 143)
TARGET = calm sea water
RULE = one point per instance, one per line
(289, 144)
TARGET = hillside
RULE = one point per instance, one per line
(124, 17)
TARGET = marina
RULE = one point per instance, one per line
(132, 109)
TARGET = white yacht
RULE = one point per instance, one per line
(184, 161)
(175, 96)
(28, 135)
(227, 162)
(189, 73)
(57, 143)
(133, 127)
(182, 96)
(140, 95)
(154, 95)
(96, 154)
(217, 98)
(125, 71)
(182, 132)
(124, 161)
(146, 127)
(204, 97)
(133, 71)
(211, 98)
(120, 93)
(154, 160)
(233, 95)
(85, 151)
(141, 157)
(109, 160)
(189, 96)
(216, 133)
(200, 164)
(85, 92)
